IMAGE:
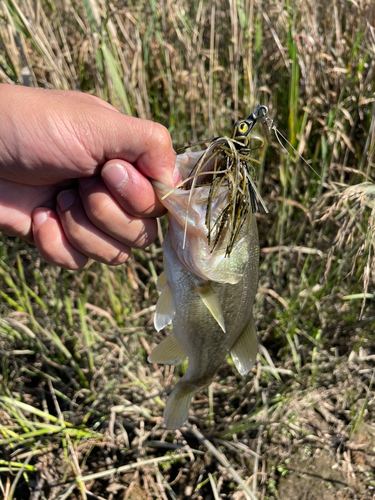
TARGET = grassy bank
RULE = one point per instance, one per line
(80, 407)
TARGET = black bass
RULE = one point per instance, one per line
(211, 262)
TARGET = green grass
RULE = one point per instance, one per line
(80, 407)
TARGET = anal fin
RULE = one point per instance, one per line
(211, 301)
(165, 310)
(168, 352)
(244, 350)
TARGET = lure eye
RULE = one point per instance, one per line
(243, 127)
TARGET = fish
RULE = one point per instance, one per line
(210, 277)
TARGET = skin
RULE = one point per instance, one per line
(74, 175)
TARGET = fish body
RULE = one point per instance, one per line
(206, 294)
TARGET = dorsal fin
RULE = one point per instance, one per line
(211, 301)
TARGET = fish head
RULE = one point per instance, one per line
(187, 213)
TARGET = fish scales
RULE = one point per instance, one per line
(206, 295)
(200, 335)
(196, 327)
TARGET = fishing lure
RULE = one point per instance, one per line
(227, 163)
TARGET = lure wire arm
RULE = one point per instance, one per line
(260, 112)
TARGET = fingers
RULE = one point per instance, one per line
(90, 223)
(106, 214)
(51, 241)
(84, 236)
(17, 201)
(132, 191)
(143, 143)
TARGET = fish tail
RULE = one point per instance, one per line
(176, 410)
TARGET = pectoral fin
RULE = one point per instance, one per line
(211, 301)
(165, 310)
(168, 352)
(244, 350)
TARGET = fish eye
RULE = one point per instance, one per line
(243, 127)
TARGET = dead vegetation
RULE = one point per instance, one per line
(80, 413)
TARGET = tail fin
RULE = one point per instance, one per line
(176, 410)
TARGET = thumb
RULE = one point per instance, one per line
(145, 144)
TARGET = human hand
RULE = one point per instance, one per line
(74, 175)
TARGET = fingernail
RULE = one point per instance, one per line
(65, 199)
(87, 182)
(176, 176)
(168, 178)
(39, 218)
(116, 176)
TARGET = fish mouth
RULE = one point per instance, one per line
(226, 166)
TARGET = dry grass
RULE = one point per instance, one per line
(80, 408)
